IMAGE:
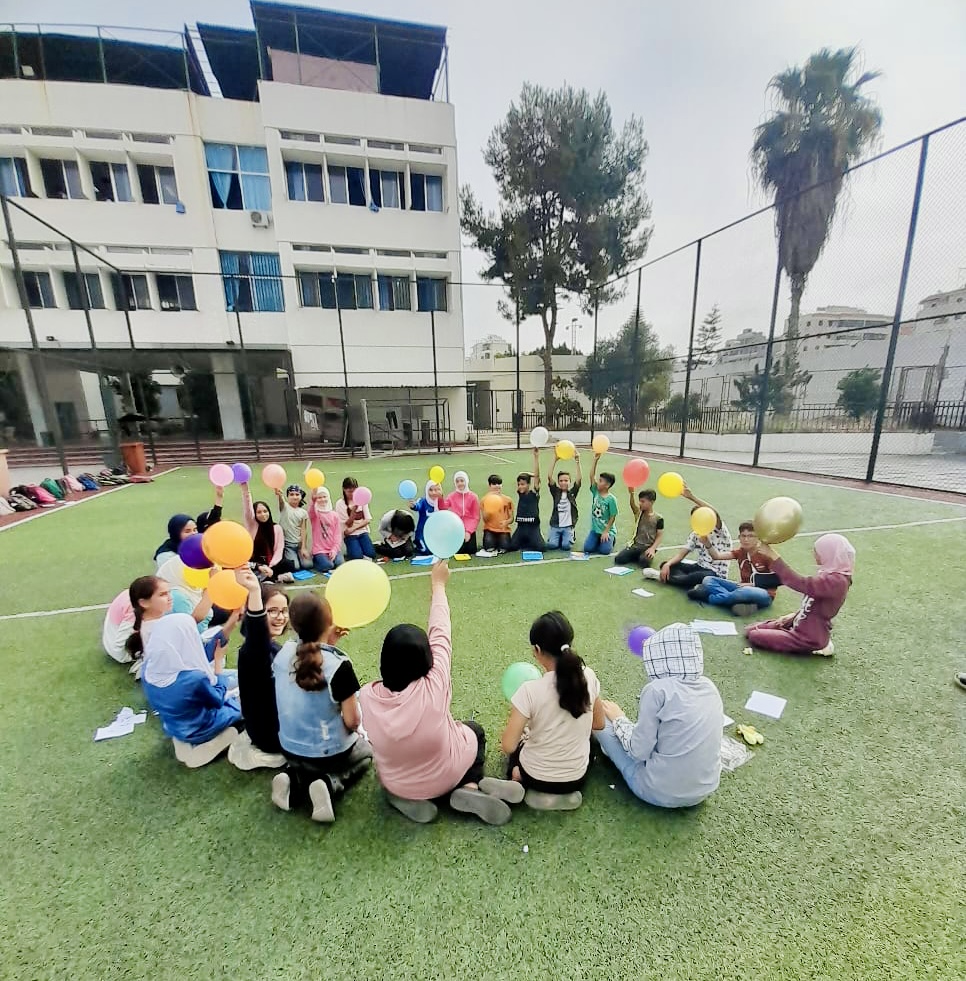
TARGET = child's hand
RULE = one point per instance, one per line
(766, 551)
(665, 572)
(248, 579)
(306, 555)
(650, 552)
(440, 574)
(335, 634)
(612, 710)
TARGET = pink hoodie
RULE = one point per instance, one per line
(421, 751)
(465, 504)
(326, 526)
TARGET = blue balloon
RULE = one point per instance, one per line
(407, 490)
(443, 534)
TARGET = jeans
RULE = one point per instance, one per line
(628, 767)
(724, 592)
(359, 546)
(594, 543)
(562, 538)
(322, 563)
(293, 554)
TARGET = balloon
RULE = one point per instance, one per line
(221, 475)
(274, 476)
(515, 675)
(565, 450)
(443, 533)
(539, 436)
(196, 578)
(778, 519)
(228, 544)
(358, 593)
(225, 591)
(242, 472)
(636, 473)
(314, 478)
(601, 444)
(407, 489)
(636, 638)
(703, 521)
(191, 552)
(361, 496)
(436, 475)
(670, 484)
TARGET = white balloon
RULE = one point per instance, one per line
(539, 436)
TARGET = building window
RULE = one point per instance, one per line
(238, 177)
(347, 185)
(40, 291)
(158, 185)
(92, 287)
(355, 291)
(348, 291)
(430, 294)
(394, 293)
(14, 179)
(61, 178)
(386, 188)
(317, 290)
(176, 292)
(131, 291)
(427, 192)
(252, 281)
(304, 181)
(111, 181)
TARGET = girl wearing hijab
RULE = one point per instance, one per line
(429, 503)
(467, 506)
(355, 523)
(823, 595)
(318, 713)
(559, 709)
(326, 529)
(185, 597)
(180, 527)
(670, 757)
(422, 753)
(269, 539)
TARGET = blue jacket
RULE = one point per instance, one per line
(193, 709)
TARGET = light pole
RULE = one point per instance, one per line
(574, 327)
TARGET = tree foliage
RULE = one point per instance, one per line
(709, 337)
(674, 410)
(859, 392)
(562, 405)
(572, 210)
(784, 380)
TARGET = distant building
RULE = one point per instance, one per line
(492, 346)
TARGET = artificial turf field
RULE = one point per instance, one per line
(837, 852)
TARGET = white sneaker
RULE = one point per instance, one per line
(281, 786)
(827, 651)
(244, 755)
(486, 553)
(322, 810)
(286, 577)
(651, 573)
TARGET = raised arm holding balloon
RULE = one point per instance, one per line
(708, 532)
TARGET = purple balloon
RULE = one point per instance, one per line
(636, 639)
(242, 472)
(192, 554)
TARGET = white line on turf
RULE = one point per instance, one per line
(499, 565)
(493, 456)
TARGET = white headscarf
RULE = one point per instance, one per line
(323, 500)
(465, 476)
(172, 647)
(432, 502)
(172, 572)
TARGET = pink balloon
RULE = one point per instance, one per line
(273, 476)
(361, 497)
(220, 474)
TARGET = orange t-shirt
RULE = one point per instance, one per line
(497, 512)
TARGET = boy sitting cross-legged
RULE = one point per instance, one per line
(758, 583)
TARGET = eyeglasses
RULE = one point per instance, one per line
(277, 613)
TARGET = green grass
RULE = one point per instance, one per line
(835, 853)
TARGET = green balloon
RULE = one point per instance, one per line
(516, 674)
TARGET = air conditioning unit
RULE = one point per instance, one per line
(260, 219)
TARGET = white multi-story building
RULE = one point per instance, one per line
(282, 202)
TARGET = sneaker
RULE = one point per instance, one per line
(827, 651)
(322, 810)
(651, 574)
(744, 609)
(698, 593)
(961, 679)
(486, 553)
(420, 811)
(246, 756)
(490, 810)
(286, 577)
(540, 801)
(281, 786)
(508, 790)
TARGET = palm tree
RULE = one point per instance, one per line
(821, 125)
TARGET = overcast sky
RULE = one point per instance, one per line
(697, 73)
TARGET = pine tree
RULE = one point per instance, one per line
(709, 338)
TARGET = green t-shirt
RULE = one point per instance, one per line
(602, 509)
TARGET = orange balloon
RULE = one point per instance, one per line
(227, 544)
(225, 591)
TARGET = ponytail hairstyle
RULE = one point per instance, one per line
(553, 634)
(143, 588)
(348, 484)
(311, 619)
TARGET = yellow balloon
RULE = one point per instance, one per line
(778, 519)
(565, 449)
(314, 478)
(670, 484)
(225, 591)
(703, 521)
(601, 444)
(196, 578)
(436, 475)
(358, 593)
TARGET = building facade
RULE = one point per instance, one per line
(270, 214)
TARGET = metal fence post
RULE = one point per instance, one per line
(593, 387)
(687, 373)
(763, 394)
(345, 369)
(517, 400)
(432, 328)
(635, 356)
(897, 317)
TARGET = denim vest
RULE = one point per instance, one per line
(309, 722)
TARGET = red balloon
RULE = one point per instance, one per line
(636, 472)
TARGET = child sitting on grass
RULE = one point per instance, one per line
(326, 528)
(670, 757)
(423, 755)
(466, 505)
(677, 571)
(497, 511)
(396, 530)
(603, 512)
(527, 535)
(355, 523)
(547, 736)
(809, 631)
(650, 531)
(429, 503)
(758, 583)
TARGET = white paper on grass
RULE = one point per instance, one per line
(733, 754)
(727, 721)
(642, 592)
(765, 704)
(618, 570)
(719, 628)
(123, 724)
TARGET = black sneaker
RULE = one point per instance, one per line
(961, 679)
(744, 609)
(699, 593)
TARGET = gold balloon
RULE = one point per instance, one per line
(778, 519)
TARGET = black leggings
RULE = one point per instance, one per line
(544, 786)
(684, 575)
(469, 547)
(338, 772)
(476, 772)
